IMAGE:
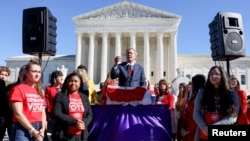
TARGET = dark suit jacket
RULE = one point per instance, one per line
(122, 73)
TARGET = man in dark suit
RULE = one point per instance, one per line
(129, 73)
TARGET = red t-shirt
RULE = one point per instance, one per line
(187, 120)
(242, 116)
(50, 93)
(76, 111)
(168, 99)
(210, 118)
(33, 104)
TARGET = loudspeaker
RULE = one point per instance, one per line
(227, 36)
(39, 31)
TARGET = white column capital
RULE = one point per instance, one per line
(91, 33)
(146, 33)
(173, 33)
(132, 33)
(104, 33)
(118, 33)
(78, 33)
(160, 33)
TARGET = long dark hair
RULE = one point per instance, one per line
(54, 75)
(198, 83)
(182, 94)
(226, 102)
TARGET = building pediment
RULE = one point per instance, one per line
(123, 10)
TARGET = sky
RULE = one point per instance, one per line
(193, 33)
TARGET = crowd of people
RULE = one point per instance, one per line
(63, 108)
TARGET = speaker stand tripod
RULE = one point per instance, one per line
(40, 61)
(228, 67)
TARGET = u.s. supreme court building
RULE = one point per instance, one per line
(105, 33)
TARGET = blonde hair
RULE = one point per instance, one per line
(83, 74)
(148, 84)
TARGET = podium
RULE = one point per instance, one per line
(130, 123)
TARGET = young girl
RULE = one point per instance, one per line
(72, 111)
(216, 104)
(187, 123)
(180, 106)
(165, 97)
(242, 117)
(28, 103)
(51, 91)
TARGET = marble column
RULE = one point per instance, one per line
(118, 43)
(160, 55)
(173, 40)
(146, 55)
(133, 39)
(78, 49)
(91, 54)
(104, 56)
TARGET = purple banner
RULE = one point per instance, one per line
(128, 123)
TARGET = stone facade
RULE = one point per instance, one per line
(105, 33)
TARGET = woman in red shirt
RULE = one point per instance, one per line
(28, 103)
(187, 123)
(72, 111)
(165, 97)
(248, 107)
(55, 86)
(242, 117)
(217, 104)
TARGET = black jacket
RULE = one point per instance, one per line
(61, 113)
(2, 101)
